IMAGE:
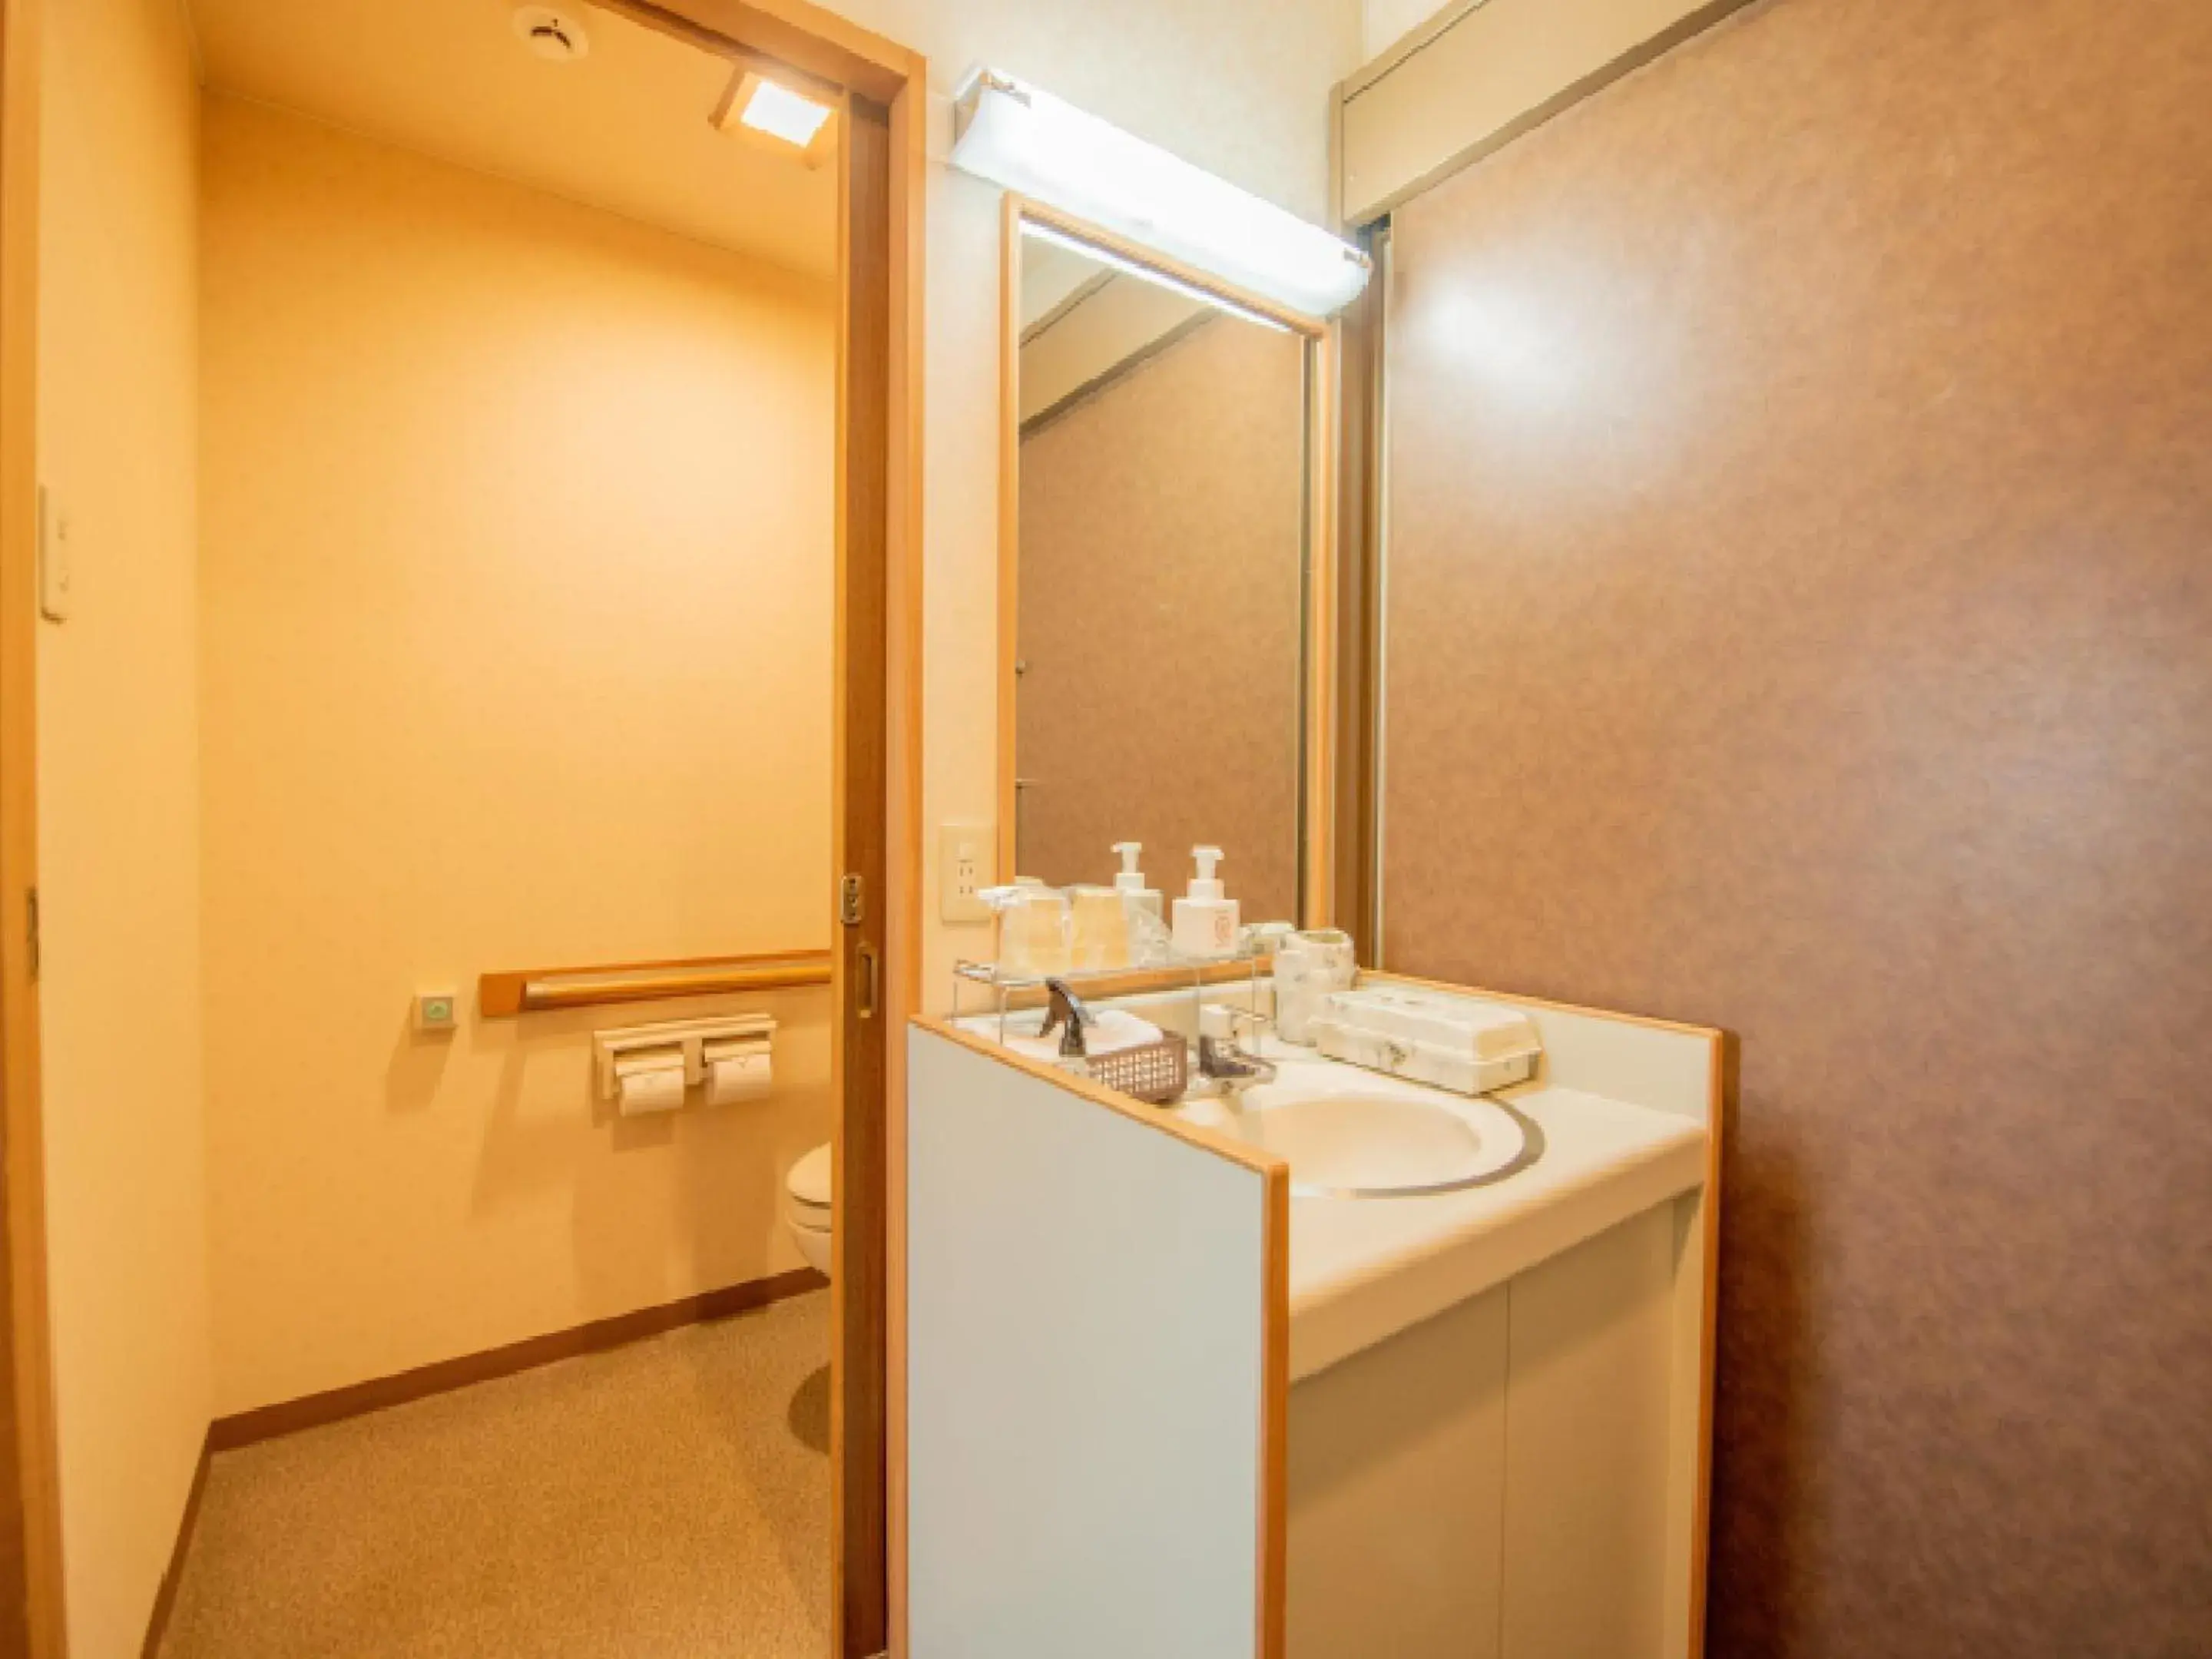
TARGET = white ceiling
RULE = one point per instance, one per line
(624, 128)
(1081, 319)
(1051, 273)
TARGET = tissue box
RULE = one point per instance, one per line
(1453, 1042)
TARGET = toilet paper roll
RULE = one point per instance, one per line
(652, 1088)
(735, 1078)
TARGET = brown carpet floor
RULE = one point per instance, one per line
(670, 1499)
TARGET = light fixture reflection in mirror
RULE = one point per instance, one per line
(1043, 232)
(1161, 493)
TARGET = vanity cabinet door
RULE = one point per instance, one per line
(1498, 1482)
(1589, 1448)
(1396, 1484)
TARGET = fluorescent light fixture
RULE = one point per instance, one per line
(1029, 140)
(782, 114)
(1160, 278)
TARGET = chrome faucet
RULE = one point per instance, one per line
(1064, 1005)
(1222, 1058)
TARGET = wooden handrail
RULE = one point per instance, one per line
(538, 990)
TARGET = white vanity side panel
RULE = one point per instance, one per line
(1396, 1472)
(1591, 1374)
(1084, 1349)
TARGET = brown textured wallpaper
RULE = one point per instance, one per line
(1161, 547)
(1800, 621)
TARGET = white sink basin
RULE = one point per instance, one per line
(1359, 1143)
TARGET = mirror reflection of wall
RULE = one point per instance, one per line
(1161, 542)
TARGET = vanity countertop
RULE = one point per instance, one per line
(1363, 1269)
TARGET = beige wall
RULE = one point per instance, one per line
(119, 805)
(1162, 523)
(1241, 86)
(516, 602)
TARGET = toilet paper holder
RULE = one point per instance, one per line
(698, 1042)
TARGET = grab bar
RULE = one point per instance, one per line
(540, 990)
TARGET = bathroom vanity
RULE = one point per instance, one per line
(1338, 1364)
(1240, 1376)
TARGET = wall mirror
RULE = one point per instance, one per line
(1163, 538)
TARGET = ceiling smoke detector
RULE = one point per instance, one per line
(553, 35)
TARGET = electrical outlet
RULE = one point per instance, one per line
(963, 870)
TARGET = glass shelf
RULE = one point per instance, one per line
(997, 990)
(989, 973)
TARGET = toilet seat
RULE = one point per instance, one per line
(808, 1198)
(808, 1211)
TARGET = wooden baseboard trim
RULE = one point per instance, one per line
(441, 1377)
(165, 1597)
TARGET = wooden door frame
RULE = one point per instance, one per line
(879, 550)
(31, 1586)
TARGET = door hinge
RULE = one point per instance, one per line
(31, 928)
(850, 908)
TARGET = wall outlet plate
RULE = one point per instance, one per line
(437, 1010)
(964, 861)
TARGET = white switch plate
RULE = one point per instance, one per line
(963, 870)
(437, 1010)
(56, 569)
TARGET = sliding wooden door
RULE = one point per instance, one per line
(859, 1271)
(879, 741)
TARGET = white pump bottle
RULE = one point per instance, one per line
(1205, 919)
(1130, 882)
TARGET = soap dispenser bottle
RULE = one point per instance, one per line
(1205, 920)
(1130, 883)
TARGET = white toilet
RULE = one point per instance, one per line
(806, 1207)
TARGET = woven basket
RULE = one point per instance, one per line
(1154, 1072)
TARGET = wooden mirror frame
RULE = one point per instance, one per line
(1316, 826)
